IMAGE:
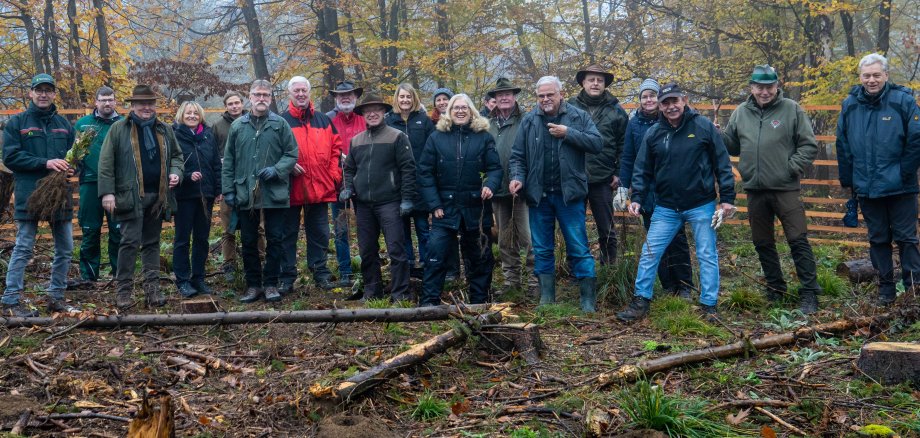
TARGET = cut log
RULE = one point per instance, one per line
(891, 363)
(508, 339)
(153, 421)
(857, 271)
(203, 304)
(186, 364)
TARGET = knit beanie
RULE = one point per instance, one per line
(444, 91)
(649, 84)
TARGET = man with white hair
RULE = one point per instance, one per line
(547, 166)
(878, 152)
(315, 180)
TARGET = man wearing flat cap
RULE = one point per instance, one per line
(139, 164)
(602, 167)
(775, 141)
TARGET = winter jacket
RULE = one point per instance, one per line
(30, 139)
(201, 155)
(380, 167)
(348, 126)
(121, 173)
(504, 132)
(251, 148)
(418, 127)
(89, 168)
(221, 129)
(685, 164)
(635, 130)
(776, 143)
(610, 119)
(458, 161)
(319, 148)
(526, 163)
(878, 142)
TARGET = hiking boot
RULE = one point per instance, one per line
(19, 311)
(286, 288)
(547, 288)
(709, 313)
(272, 295)
(229, 273)
(775, 295)
(124, 299)
(186, 290)
(636, 310)
(154, 295)
(886, 298)
(252, 295)
(202, 288)
(808, 301)
(682, 293)
(346, 281)
(61, 306)
(588, 294)
(324, 284)
(417, 273)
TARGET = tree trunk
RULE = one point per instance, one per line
(857, 271)
(256, 46)
(353, 46)
(846, 19)
(884, 26)
(327, 32)
(75, 49)
(440, 12)
(891, 363)
(586, 17)
(105, 61)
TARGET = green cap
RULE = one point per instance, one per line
(42, 78)
(763, 74)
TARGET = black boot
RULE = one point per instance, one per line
(808, 301)
(636, 310)
(547, 288)
(886, 297)
(588, 292)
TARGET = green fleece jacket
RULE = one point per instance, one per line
(776, 143)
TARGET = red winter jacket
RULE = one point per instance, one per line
(348, 125)
(318, 150)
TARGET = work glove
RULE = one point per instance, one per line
(619, 200)
(230, 200)
(345, 195)
(717, 219)
(269, 173)
(405, 208)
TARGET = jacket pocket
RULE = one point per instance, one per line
(277, 192)
(124, 201)
(241, 190)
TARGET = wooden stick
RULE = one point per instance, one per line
(750, 403)
(209, 361)
(186, 364)
(22, 422)
(781, 422)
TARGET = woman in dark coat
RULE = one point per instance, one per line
(195, 195)
(458, 172)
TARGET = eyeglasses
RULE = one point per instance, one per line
(260, 95)
(546, 96)
(106, 100)
(460, 108)
(44, 90)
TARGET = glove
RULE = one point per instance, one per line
(345, 195)
(717, 219)
(851, 217)
(230, 199)
(405, 208)
(619, 200)
(269, 173)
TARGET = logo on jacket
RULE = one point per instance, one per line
(886, 119)
(691, 136)
(775, 124)
(418, 122)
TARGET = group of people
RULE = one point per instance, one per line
(446, 174)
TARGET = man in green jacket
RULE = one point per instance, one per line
(776, 143)
(91, 212)
(258, 159)
(140, 162)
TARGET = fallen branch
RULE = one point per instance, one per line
(780, 421)
(209, 361)
(22, 422)
(751, 403)
(186, 364)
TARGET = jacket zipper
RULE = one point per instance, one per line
(370, 154)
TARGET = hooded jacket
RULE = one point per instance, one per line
(635, 131)
(776, 143)
(89, 168)
(251, 148)
(504, 131)
(684, 163)
(348, 126)
(380, 168)
(319, 149)
(878, 142)
(201, 155)
(610, 119)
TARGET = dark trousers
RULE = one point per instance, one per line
(477, 255)
(422, 229)
(600, 199)
(892, 218)
(674, 270)
(193, 222)
(90, 216)
(763, 207)
(340, 214)
(371, 220)
(140, 234)
(316, 228)
(257, 274)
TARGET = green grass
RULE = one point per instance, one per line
(616, 282)
(831, 284)
(428, 407)
(746, 299)
(677, 317)
(377, 303)
(648, 407)
(554, 313)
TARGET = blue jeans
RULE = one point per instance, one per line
(572, 223)
(22, 252)
(665, 224)
(342, 249)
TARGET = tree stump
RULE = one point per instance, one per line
(891, 362)
(858, 271)
(203, 304)
(507, 339)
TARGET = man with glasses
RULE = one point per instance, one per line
(547, 166)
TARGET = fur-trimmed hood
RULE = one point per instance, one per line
(477, 124)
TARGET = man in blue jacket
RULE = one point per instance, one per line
(547, 166)
(878, 151)
(683, 158)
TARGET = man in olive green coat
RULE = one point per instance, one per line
(139, 164)
(776, 143)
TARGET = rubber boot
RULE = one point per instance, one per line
(588, 294)
(808, 301)
(547, 288)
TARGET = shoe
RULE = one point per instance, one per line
(229, 273)
(450, 278)
(202, 288)
(186, 290)
(272, 295)
(710, 313)
(285, 288)
(416, 273)
(325, 284)
(683, 293)
(346, 281)
(124, 299)
(252, 295)
(775, 295)
(547, 288)
(154, 295)
(636, 310)
(19, 311)
(61, 306)
(588, 294)
(886, 298)
(808, 301)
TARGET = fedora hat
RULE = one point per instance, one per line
(503, 84)
(763, 74)
(142, 92)
(371, 99)
(345, 87)
(596, 69)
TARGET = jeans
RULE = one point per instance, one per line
(90, 217)
(340, 220)
(140, 234)
(600, 198)
(665, 224)
(892, 218)
(513, 219)
(316, 229)
(22, 252)
(477, 255)
(257, 274)
(763, 207)
(674, 269)
(571, 219)
(422, 229)
(372, 219)
(193, 222)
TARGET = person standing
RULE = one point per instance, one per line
(441, 97)
(878, 152)
(260, 154)
(548, 167)
(139, 165)
(91, 213)
(35, 143)
(380, 180)
(775, 141)
(458, 172)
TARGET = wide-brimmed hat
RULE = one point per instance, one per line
(503, 84)
(763, 74)
(670, 90)
(580, 76)
(42, 78)
(371, 99)
(346, 87)
(142, 92)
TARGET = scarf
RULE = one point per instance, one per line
(146, 126)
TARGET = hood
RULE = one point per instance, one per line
(645, 119)
(478, 124)
(858, 92)
(300, 113)
(108, 121)
(689, 115)
(230, 118)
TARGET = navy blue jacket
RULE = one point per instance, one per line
(878, 142)
(457, 162)
(684, 164)
(418, 127)
(635, 131)
(201, 155)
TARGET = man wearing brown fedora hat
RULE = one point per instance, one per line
(139, 164)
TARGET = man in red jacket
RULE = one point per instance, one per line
(314, 184)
